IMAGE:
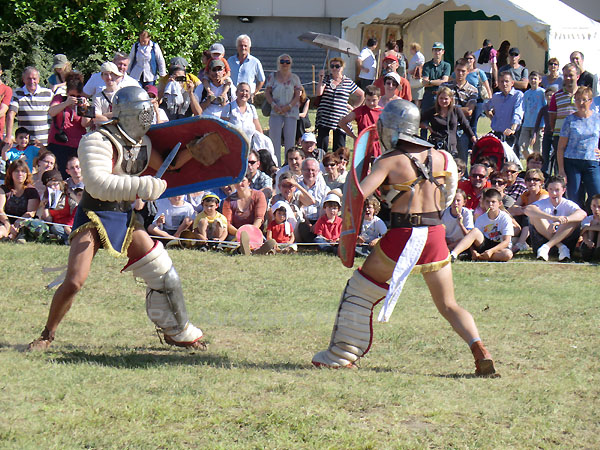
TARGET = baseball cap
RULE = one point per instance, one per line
(309, 137)
(438, 45)
(179, 62)
(216, 63)
(211, 195)
(514, 51)
(217, 48)
(391, 58)
(151, 89)
(394, 76)
(60, 61)
(110, 67)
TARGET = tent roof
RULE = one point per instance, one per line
(538, 14)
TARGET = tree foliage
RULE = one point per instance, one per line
(90, 31)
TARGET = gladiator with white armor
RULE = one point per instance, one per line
(112, 159)
(418, 183)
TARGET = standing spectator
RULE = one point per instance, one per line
(283, 93)
(245, 67)
(577, 149)
(367, 64)
(29, 106)
(516, 185)
(365, 116)
(102, 101)
(519, 73)
(160, 115)
(335, 90)
(212, 105)
(415, 73)
(391, 85)
(314, 184)
(435, 73)
(67, 128)
(554, 222)
(390, 65)
(465, 94)
(60, 68)
(5, 98)
(259, 180)
(303, 123)
(544, 118)
(75, 181)
(505, 109)
(147, 61)
(241, 113)
(96, 83)
(18, 198)
(245, 206)
(563, 102)
(554, 77)
(475, 185)
(486, 59)
(533, 100)
(585, 78)
(502, 55)
(480, 80)
(179, 98)
(328, 228)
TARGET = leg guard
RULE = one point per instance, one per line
(484, 364)
(353, 331)
(165, 305)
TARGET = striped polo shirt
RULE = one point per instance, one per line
(32, 111)
(334, 102)
(563, 104)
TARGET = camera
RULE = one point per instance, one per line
(181, 79)
(85, 110)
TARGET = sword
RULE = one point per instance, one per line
(167, 162)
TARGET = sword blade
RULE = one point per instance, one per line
(168, 160)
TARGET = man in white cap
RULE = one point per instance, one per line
(213, 105)
(308, 141)
(95, 84)
(102, 101)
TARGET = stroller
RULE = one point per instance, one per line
(496, 150)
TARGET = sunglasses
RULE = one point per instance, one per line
(553, 64)
(533, 180)
(331, 165)
(498, 182)
(217, 69)
(478, 175)
(252, 162)
(335, 66)
(284, 61)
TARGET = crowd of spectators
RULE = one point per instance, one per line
(550, 118)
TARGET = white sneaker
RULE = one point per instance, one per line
(542, 252)
(564, 254)
(520, 246)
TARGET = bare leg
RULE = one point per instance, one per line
(141, 244)
(474, 236)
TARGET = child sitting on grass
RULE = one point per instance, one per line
(590, 232)
(21, 149)
(490, 239)
(280, 229)
(329, 226)
(457, 219)
(210, 224)
(372, 228)
(172, 218)
(57, 206)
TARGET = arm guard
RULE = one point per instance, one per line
(450, 179)
(96, 158)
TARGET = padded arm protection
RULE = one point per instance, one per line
(96, 159)
(450, 179)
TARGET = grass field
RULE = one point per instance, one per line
(107, 382)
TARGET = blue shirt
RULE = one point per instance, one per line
(583, 135)
(30, 152)
(473, 77)
(250, 71)
(508, 109)
(533, 101)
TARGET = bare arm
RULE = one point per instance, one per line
(345, 124)
(377, 176)
(10, 123)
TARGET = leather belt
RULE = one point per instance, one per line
(93, 204)
(408, 220)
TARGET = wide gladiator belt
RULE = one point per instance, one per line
(408, 220)
(93, 204)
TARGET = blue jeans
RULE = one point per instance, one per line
(583, 176)
(324, 245)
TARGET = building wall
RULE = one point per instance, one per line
(292, 8)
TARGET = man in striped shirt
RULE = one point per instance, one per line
(29, 106)
(563, 102)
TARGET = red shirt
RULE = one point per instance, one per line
(5, 98)
(365, 117)
(402, 91)
(329, 230)
(472, 200)
(278, 231)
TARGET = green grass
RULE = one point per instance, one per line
(107, 382)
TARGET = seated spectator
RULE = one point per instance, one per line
(474, 186)
(457, 220)
(172, 218)
(267, 165)
(334, 180)
(75, 181)
(294, 157)
(295, 195)
(308, 142)
(259, 180)
(365, 116)
(590, 232)
(372, 228)
(328, 227)
(461, 168)
(490, 239)
(245, 206)
(534, 179)
(344, 155)
(554, 222)
(195, 199)
(21, 149)
(280, 229)
(18, 199)
(210, 224)
(533, 161)
(57, 205)
(241, 113)
(499, 180)
(314, 183)
(516, 185)
(44, 161)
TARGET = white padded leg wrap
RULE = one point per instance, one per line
(352, 332)
(164, 300)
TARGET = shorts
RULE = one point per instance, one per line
(435, 254)
(486, 245)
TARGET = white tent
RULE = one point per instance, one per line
(541, 29)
